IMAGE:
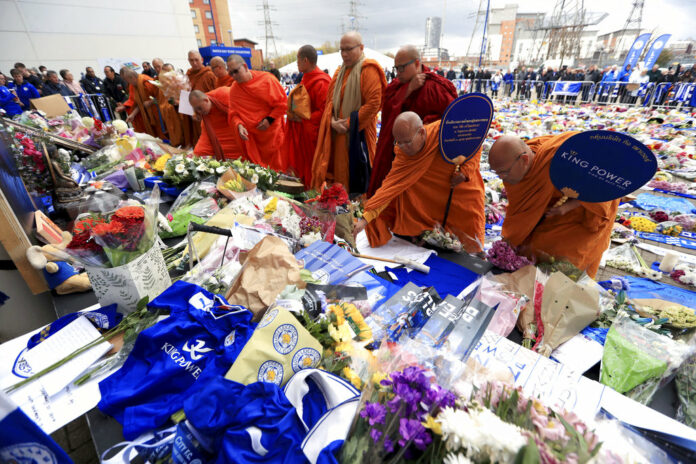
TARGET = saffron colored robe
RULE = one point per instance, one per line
(147, 120)
(172, 122)
(413, 197)
(204, 80)
(581, 235)
(225, 137)
(225, 81)
(301, 137)
(331, 156)
(429, 102)
(249, 103)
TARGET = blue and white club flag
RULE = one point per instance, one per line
(655, 50)
(566, 88)
(22, 441)
(684, 92)
(636, 50)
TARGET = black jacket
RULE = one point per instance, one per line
(116, 89)
(594, 76)
(275, 72)
(50, 88)
(92, 85)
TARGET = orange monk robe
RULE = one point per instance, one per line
(224, 81)
(204, 80)
(331, 156)
(581, 235)
(215, 129)
(172, 122)
(147, 120)
(301, 136)
(252, 101)
(413, 197)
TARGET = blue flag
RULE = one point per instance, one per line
(566, 88)
(636, 50)
(655, 50)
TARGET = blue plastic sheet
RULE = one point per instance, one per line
(650, 202)
(646, 288)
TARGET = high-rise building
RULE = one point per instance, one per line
(211, 22)
(433, 32)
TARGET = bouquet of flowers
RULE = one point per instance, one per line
(34, 118)
(172, 83)
(264, 178)
(112, 240)
(181, 169)
(99, 133)
(31, 164)
(397, 421)
(502, 255)
(332, 198)
(438, 237)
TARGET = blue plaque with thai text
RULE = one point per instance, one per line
(464, 127)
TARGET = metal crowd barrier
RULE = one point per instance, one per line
(648, 94)
(94, 105)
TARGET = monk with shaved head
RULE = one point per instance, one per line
(257, 105)
(306, 104)
(416, 88)
(577, 231)
(219, 68)
(413, 196)
(201, 78)
(157, 64)
(141, 105)
(349, 121)
(218, 138)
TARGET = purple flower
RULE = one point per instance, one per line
(410, 429)
(439, 397)
(375, 434)
(388, 445)
(374, 412)
(394, 404)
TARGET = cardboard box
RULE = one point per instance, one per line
(53, 105)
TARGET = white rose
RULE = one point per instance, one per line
(180, 168)
(255, 179)
(221, 170)
(202, 168)
(88, 122)
(120, 126)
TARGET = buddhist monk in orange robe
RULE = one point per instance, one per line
(413, 196)
(416, 88)
(140, 106)
(218, 138)
(219, 68)
(257, 108)
(347, 94)
(170, 113)
(201, 78)
(301, 135)
(576, 230)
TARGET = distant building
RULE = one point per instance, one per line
(516, 38)
(615, 45)
(433, 33)
(211, 22)
(256, 55)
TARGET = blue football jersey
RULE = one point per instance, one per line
(200, 339)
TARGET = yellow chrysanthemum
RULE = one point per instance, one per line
(432, 424)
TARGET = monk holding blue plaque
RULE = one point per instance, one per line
(434, 181)
(564, 191)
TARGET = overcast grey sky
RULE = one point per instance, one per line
(389, 23)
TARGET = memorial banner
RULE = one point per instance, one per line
(636, 50)
(566, 88)
(655, 50)
(597, 166)
(464, 127)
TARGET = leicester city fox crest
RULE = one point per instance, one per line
(272, 372)
(28, 453)
(305, 358)
(285, 338)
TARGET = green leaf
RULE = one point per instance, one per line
(143, 302)
(528, 454)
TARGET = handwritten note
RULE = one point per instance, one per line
(184, 105)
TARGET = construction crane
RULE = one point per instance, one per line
(634, 21)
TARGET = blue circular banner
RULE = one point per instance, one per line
(464, 127)
(596, 166)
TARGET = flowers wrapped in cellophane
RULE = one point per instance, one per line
(173, 82)
(116, 238)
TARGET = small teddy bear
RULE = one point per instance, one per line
(60, 276)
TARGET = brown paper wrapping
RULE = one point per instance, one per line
(521, 281)
(231, 174)
(566, 309)
(268, 268)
